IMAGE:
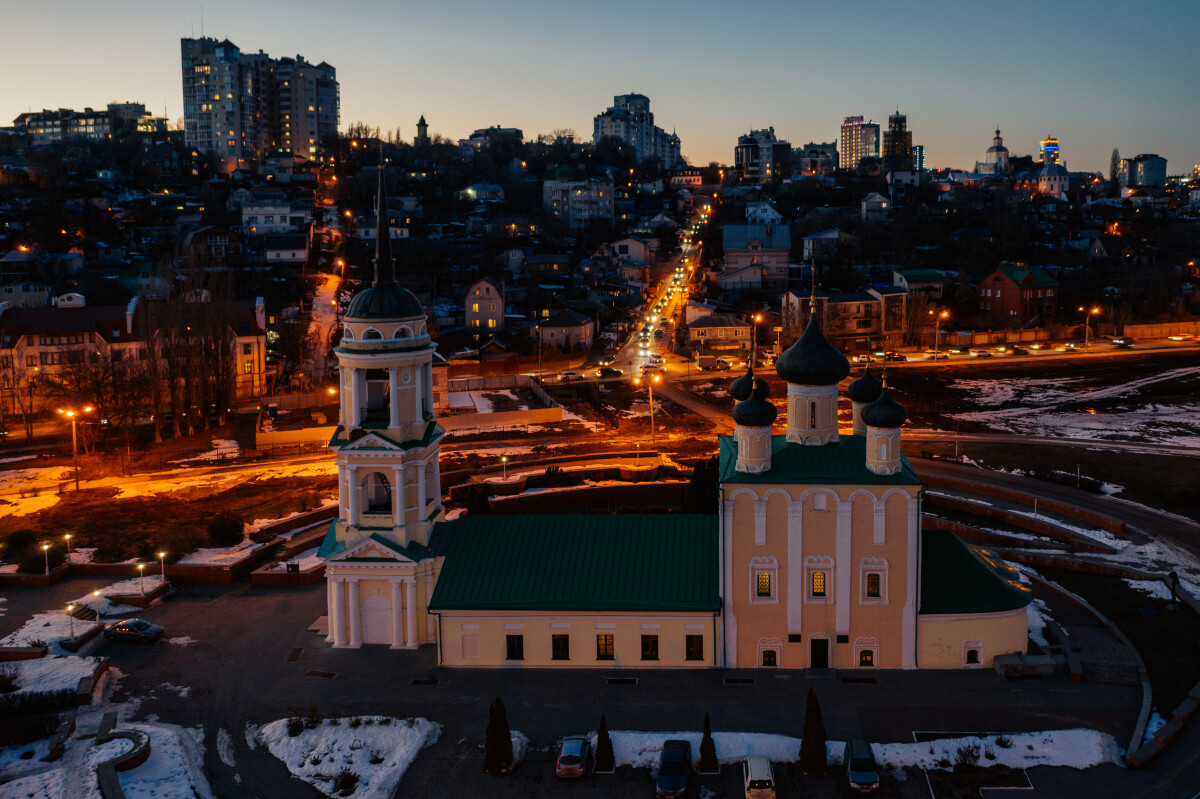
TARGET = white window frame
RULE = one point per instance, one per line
(771, 566)
(873, 566)
(867, 643)
(819, 564)
(967, 647)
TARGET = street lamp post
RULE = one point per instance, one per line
(142, 577)
(72, 414)
(71, 617)
(650, 381)
(504, 463)
(1087, 325)
(46, 552)
(96, 595)
(162, 562)
(937, 329)
(538, 328)
(68, 537)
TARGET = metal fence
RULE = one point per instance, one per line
(214, 456)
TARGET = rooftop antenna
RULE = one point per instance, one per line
(202, 21)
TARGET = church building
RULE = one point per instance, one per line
(816, 559)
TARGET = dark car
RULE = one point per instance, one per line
(861, 770)
(894, 356)
(1018, 351)
(658, 333)
(608, 371)
(573, 757)
(133, 631)
(674, 763)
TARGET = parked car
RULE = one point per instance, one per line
(133, 631)
(757, 777)
(980, 354)
(674, 762)
(570, 375)
(935, 355)
(573, 757)
(861, 770)
(608, 371)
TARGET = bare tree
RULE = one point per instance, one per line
(19, 382)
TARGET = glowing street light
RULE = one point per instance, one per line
(142, 577)
(72, 414)
(68, 537)
(46, 552)
(504, 463)
(96, 596)
(650, 381)
(162, 562)
(937, 325)
(1087, 327)
(71, 617)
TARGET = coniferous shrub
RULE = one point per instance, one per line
(708, 749)
(497, 742)
(812, 746)
(225, 530)
(605, 757)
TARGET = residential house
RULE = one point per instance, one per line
(482, 192)
(290, 248)
(927, 281)
(875, 207)
(26, 295)
(541, 266)
(276, 216)
(210, 246)
(765, 246)
(718, 333)
(568, 330)
(575, 199)
(852, 319)
(483, 308)
(825, 243)
(634, 247)
(761, 212)
(1017, 293)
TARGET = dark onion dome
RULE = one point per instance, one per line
(756, 411)
(884, 412)
(866, 388)
(384, 302)
(812, 360)
(741, 388)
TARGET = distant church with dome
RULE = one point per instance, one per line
(816, 559)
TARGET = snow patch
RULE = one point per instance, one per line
(182, 640)
(225, 747)
(1154, 588)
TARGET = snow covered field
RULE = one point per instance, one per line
(219, 556)
(1037, 402)
(377, 749)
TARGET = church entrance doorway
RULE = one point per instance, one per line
(377, 620)
(820, 653)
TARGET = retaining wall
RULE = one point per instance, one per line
(584, 498)
(1046, 528)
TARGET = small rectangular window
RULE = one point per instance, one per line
(604, 646)
(514, 647)
(649, 647)
(762, 582)
(818, 583)
(560, 647)
(247, 349)
(873, 585)
(694, 649)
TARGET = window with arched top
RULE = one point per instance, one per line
(347, 332)
(972, 656)
(812, 415)
(372, 335)
(401, 332)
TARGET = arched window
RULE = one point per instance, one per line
(812, 415)
(372, 335)
(883, 449)
(866, 658)
(770, 658)
(972, 656)
(401, 332)
(347, 332)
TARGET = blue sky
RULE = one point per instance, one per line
(1098, 74)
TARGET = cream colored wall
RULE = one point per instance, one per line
(758, 623)
(370, 579)
(491, 629)
(942, 639)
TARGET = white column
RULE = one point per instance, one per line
(436, 488)
(393, 396)
(912, 579)
(842, 569)
(329, 583)
(397, 618)
(422, 506)
(359, 396)
(796, 578)
(760, 522)
(352, 478)
(355, 615)
(337, 622)
(398, 496)
(728, 618)
(410, 612)
(427, 385)
(347, 392)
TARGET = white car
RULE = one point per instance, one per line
(935, 355)
(570, 375)
(980, 354)
(651, 368)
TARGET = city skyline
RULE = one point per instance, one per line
(539, 70)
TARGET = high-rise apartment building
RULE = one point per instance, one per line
(629, 119)
(919, 157)
(241, 106)
(897, 145)
(1048, 151)
(761, 158)
(859, 140)
(1146, 169)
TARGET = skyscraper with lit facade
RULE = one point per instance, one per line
(859, 140)
(897, 145)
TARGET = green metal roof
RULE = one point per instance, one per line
(414, 551)
(651, 562)
(922, 275)
(843, 463)
(1027, 276)
(432, 432)
(961, 578)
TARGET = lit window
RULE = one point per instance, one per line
(762, 582)
(866, 658)
(818, 583)
(812, 415)
(604, 646)
(873, 585)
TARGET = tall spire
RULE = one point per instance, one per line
(384, 269)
